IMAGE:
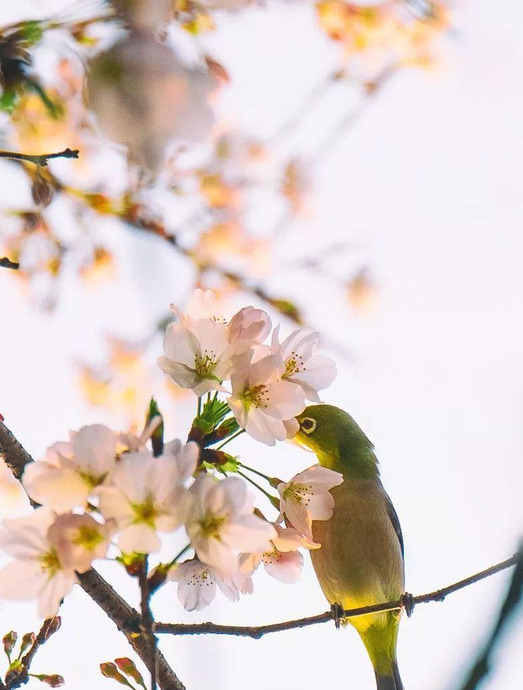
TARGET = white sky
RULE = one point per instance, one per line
(428, 186)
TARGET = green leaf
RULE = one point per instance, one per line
(9, 100)
(157, 437)
(30, 31)
(212, 414)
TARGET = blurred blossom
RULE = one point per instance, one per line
(362, 291)
(143, 14)
(225, 4)
(296, 185)
(70, 471)
(144, 96)
(99, 268)
(37, 571)
(380, 35)
(13, 498)
(221, 523)
(307, 497)
(228, 244)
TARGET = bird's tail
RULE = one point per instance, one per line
(392, 682)
(380, 641)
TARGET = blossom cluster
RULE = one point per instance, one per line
(110, 494)
(269, 384)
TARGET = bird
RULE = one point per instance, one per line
(361, 559)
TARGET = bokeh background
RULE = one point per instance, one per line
(387, 206)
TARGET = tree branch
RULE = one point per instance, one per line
(126, 619)
(7, 263)
(39, 159)
(406, 602)
(20, 675)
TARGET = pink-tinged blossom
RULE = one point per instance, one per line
(283, 561)
(221, 523)
(307, 497)
(202, 304)
(249, 325)
(70, 472)
(261, 402)
(197, 583)
(310, 371)
(147, 496)
(37, 571)
(199, 357)
(79, 540)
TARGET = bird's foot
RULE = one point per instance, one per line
(338, 614)
(407, 601)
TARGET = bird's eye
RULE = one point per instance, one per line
(308, 425)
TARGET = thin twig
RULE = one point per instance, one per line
(20, 675)
(256, 632)
(39, 159)
(7, 263)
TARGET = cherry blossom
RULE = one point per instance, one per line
(310, 371)
(283, 561)
(221, 523)
(197, 584)
(37, 571)
(306, 497)
(261, 401)
(147, 496)
(199, 357)
(249, 324)
(70, 471)
(79, 540)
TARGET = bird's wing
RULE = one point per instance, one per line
(393, 516)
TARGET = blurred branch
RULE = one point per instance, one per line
(126, 618)
(483, 663)
(406, 602)
(40, 159)
(7, 263)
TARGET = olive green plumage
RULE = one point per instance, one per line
(361, 557)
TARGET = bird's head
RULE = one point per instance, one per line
(337, 440)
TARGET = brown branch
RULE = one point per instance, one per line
(407, 602)
(126, 619)
(7, 263)
(148, 620)
(39, 159)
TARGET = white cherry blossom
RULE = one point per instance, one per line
(197, 583)
(261, 401)
(199, 357)
(307, 497)
(37, 571)
(147, 496)
(310, 371)
(70, 471)
(221, 523)
(202, 304)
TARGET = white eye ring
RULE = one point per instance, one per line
(310, 428)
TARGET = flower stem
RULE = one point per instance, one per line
(272, 499)
(199, 406)
(178, 556)
(260, 474)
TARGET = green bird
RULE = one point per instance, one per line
(360, 561)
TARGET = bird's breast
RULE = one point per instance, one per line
(360, 561)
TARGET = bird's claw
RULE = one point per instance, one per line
(407, 601)
(338, 614)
